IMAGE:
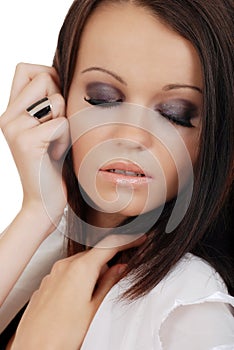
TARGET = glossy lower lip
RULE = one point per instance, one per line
(124, 179)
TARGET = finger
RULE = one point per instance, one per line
(104, 269)
(121, 241)
(40, 136)
(41, 86)
(25, 73)
(57, 107)
(14, 126)
(56, 131)
(107, 281)
(75, 256)
(92, 262)
(107, 248)
(58, 148)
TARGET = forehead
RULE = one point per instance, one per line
(125, 37)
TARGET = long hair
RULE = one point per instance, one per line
(206, 228)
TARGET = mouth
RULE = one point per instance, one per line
(124, 173)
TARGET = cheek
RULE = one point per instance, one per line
(169, 169)
(80, 149)
(77, 156)
(85, 149)
(177, 161)
(192, 142)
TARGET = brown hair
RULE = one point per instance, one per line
(205, 229)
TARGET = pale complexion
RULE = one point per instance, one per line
(153, 64)
(148, 65)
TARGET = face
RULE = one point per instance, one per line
(143, 77)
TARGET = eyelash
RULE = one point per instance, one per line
(106, 104)
(103, 103)
(177, 121)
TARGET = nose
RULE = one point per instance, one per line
(131, 137)
(133, 127)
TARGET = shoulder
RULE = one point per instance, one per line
(194, 278)
(197, 308)
(192, 281)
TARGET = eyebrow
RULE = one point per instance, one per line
(181, 86)
(118, 78)
(103, 70)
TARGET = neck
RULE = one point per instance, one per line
(104, 220)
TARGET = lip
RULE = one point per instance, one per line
(123, 179)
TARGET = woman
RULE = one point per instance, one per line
(165, 87)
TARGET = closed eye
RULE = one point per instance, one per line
(178, 121)
(178, 111)
(103, 103)
(103, 94)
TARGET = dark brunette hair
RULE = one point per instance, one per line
(206, 229)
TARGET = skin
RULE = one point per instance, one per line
(23, 133)
(161, 58)
(174, 63)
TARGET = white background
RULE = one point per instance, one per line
(28, 33)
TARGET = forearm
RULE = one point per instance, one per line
(39, 167)
(18, 243)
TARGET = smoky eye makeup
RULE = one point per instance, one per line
(178, 111)
(98, 93)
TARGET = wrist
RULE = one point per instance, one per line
(40, 217)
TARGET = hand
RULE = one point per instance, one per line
(60, 312)
(37, 148)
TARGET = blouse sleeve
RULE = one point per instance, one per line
(51, 250)
(206, 325)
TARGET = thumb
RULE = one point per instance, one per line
(107, 281)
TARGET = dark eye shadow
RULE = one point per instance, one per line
(103, 91)
(179, 108)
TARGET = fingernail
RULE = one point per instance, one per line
(122, 268)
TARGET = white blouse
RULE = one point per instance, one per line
(189, 310)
